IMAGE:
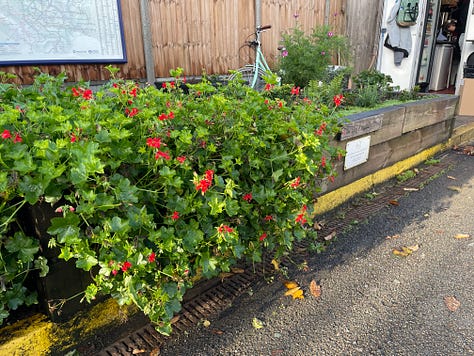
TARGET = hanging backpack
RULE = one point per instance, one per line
(407, 13)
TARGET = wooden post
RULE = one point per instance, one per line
(147, 42)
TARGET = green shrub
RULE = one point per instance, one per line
(307, 57)
(153, 188)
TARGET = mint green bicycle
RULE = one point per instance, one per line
(254, 74)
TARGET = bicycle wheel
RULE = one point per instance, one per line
(247, 74)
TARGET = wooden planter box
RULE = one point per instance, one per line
(395, 133)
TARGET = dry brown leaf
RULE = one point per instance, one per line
(452, 303)
(454, 188)
(393, 237)
(175, 319)
(394, 202)
(290, 284)
(468, 150)
(452, 178)
(462, 236)
(330, 236)
(318, 225)
(155, 352)
(217, 331)
(315, 289)
(237, 270)
(137, 351)
(224, 275)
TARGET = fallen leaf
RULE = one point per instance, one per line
(405, 251)
(410, 189)
(315, 289)
(394, 202)
(237, 270)
(452, 303)
(276, 265)
(217, 331)
(451, 177)
(257, 324)
(468, 150)
(137, 351)
(224, 275)
(206, 323)
(155, 352)
(292, 291)
(290, 284)
(462, 236)
(318, 225)
(393, 237)
(298, 294)
(330, 236)
(175, 319)
(454, 188)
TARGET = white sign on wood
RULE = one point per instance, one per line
(357, 152)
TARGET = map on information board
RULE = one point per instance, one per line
(61, 31)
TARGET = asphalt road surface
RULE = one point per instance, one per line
(372, 302)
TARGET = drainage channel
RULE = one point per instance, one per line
(216, 295)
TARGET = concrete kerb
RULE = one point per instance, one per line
(37, 335)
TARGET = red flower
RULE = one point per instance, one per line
(114, 272)
(181, 159)
(224, 228)
(87, 94)
(152, 257)
(301, 219)
(171, 115)
(175, 216)
(163, 85)
(17, 138)
(6, 134)
(338, 99)
(268, 87)
(247, 197)
(206, 182)
(153, 142)
(210, 175)
(131, 113)
(126, 265)
(323, 162)
(296, 183)
(133, 92)
(73, 138)
(161, 154)
(263, 236)
(268, 218)
(162, 117)
(295, 91)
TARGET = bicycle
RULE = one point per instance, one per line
(254, 74)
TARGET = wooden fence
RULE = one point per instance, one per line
(206, 35)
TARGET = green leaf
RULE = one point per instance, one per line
(31, 188)
(91, 292)
(66, 253)
(118, 225)
(66, 229)
(217, 205)
(277, 174)
(25, 246)
(171, 307)
(232, 207)
(191, 240)
(86, 261)
(41, 263)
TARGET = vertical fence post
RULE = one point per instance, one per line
(258, 13)
(327, 12)
(147, 42)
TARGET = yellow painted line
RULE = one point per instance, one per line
(37, 335)
(339, 196)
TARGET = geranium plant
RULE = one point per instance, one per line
(154, 188)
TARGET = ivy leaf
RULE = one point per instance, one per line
(277, 174)
(232, 207)
(171, 307)
(191, 239)
(118, 225)
(86, 262)
(25, 246)
(66, 229)
(216, 206)
(41, 263)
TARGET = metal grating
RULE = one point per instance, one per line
(218, 295)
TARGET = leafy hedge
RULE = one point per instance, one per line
(154, 188)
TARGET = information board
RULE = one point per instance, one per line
(61, 31)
